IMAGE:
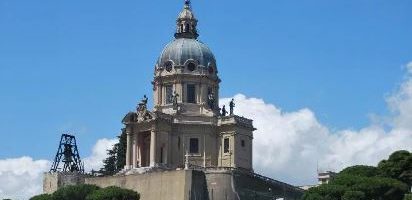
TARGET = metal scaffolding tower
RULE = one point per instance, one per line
(68, 154)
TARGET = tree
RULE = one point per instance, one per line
(408, 197)
(326, 192)
(77, 192)
(42, 197)
(113, 193)
(121, 150)
(360, 170)
(354, 195)
(388, 181)
(116, 159)
(109, 164)
(398, 166)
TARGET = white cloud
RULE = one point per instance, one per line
(292, 146)
(409, 67)
(99, 152)
(22, 178)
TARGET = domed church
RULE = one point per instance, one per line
(186, 147)
(186, 127)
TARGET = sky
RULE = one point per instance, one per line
(330, 71)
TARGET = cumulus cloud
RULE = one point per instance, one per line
(99, 152)
(21, 178)
(293, 146)
(409, 67)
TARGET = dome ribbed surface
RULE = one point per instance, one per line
(183, 49)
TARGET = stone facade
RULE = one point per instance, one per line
(186, 123)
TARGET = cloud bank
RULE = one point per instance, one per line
(293, 146)
(289, 146)
(22, 178)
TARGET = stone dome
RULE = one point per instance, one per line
(182, 50)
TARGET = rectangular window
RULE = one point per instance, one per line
(226, 145)
(191, 93)
(243, 143)
(194, 145)
(169, 94)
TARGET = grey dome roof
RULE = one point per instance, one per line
(183, 49)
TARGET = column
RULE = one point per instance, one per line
(128, 149)
(135, 146)
(153, 153)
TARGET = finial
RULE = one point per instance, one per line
(186, 23)
(187, 3)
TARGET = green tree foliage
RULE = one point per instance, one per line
(89, 192)
(121, 150)
(77, 192)
(42, 197)
(354, 195)
(113, 193)
(109, 164)
(398, 166)
(388, 181)
(116, 159)
(408, 197)
(361, 170)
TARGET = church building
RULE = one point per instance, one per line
(186, 123)
(187, 147)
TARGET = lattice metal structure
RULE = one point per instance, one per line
(68, 155)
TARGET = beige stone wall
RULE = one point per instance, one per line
(168, 185)
(243, 154)
(53, 181)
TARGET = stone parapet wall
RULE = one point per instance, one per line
(167, 185)
(55, 180)
(201, 184)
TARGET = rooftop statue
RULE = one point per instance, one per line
(224, 111)
(232, 106)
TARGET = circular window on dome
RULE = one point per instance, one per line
(191, 66)
(169, 66)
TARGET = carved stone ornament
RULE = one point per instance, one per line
(142, 113)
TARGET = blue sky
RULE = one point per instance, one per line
(79, 66)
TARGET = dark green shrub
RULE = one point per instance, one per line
(113, 193)
(74, 192)
(42, 197)
(354, 195)
(408, 197)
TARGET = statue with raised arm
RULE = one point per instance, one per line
(142, 105)
(232, 106)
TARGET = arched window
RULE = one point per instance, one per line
(187, 27)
